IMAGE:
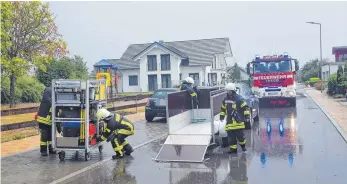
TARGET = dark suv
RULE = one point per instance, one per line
(156, 104)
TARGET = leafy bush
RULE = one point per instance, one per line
(332, 84)
(31, 89)
(313, 81)
(28, 89)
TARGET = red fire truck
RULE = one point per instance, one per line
(274, 79)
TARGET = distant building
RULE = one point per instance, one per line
(150, 66)
(330, 68)
(340, 53)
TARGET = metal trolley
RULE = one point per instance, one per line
(74, 106)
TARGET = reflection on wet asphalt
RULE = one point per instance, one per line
(286, 146)
(35, 169)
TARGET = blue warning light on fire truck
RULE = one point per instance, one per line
(283, 57)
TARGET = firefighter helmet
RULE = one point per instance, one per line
(230, 87)
(102, 113)
(189, 80)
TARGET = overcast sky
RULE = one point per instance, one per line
(103, 30)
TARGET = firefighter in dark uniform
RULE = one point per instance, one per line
(116, 129)
(187, 85)
(45, 123)
(237, 112)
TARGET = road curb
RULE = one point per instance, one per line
(102, 162)
(337, 126)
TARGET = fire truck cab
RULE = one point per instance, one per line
(274, 79)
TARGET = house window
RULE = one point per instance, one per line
(152, 62)
(133, 80)
(212, 79)
(195, 76)
(166, 81)
(152, 82)
(165, 62)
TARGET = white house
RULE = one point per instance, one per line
(146, 67)
(329, 69)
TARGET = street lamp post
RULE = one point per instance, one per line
(321, 59)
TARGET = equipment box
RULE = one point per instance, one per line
(67, 142)
(71, 129)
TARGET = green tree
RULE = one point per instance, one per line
(80, 68)
(64, 68)
(339, 74)
(28, 38)
(311, 69)
(343, 77)
(233, 73)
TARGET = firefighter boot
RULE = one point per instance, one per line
(117, 156)
(51, 151)
(43, 150)
(243, 148)
(128, 149)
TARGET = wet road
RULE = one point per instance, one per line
(30, 167)
(285, 146)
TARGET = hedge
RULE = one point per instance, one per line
(28, 89)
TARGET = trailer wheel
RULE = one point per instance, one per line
(76, 155)
(100, 148)
(86, 156)
(61, 155)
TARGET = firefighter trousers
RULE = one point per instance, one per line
(45, 140)
(119, 144)
(235, 136)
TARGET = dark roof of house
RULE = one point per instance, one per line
(339, 48)
(199, 52)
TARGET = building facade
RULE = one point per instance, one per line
(340, 53)
(151, 66)
(329, 69)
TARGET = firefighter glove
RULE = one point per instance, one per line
(98, 139)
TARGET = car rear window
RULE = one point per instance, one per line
(160, 94)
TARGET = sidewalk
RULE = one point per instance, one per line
(33, 142)
(336, 110)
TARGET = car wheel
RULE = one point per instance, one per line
(149, 118)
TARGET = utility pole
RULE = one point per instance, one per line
(321, 57)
